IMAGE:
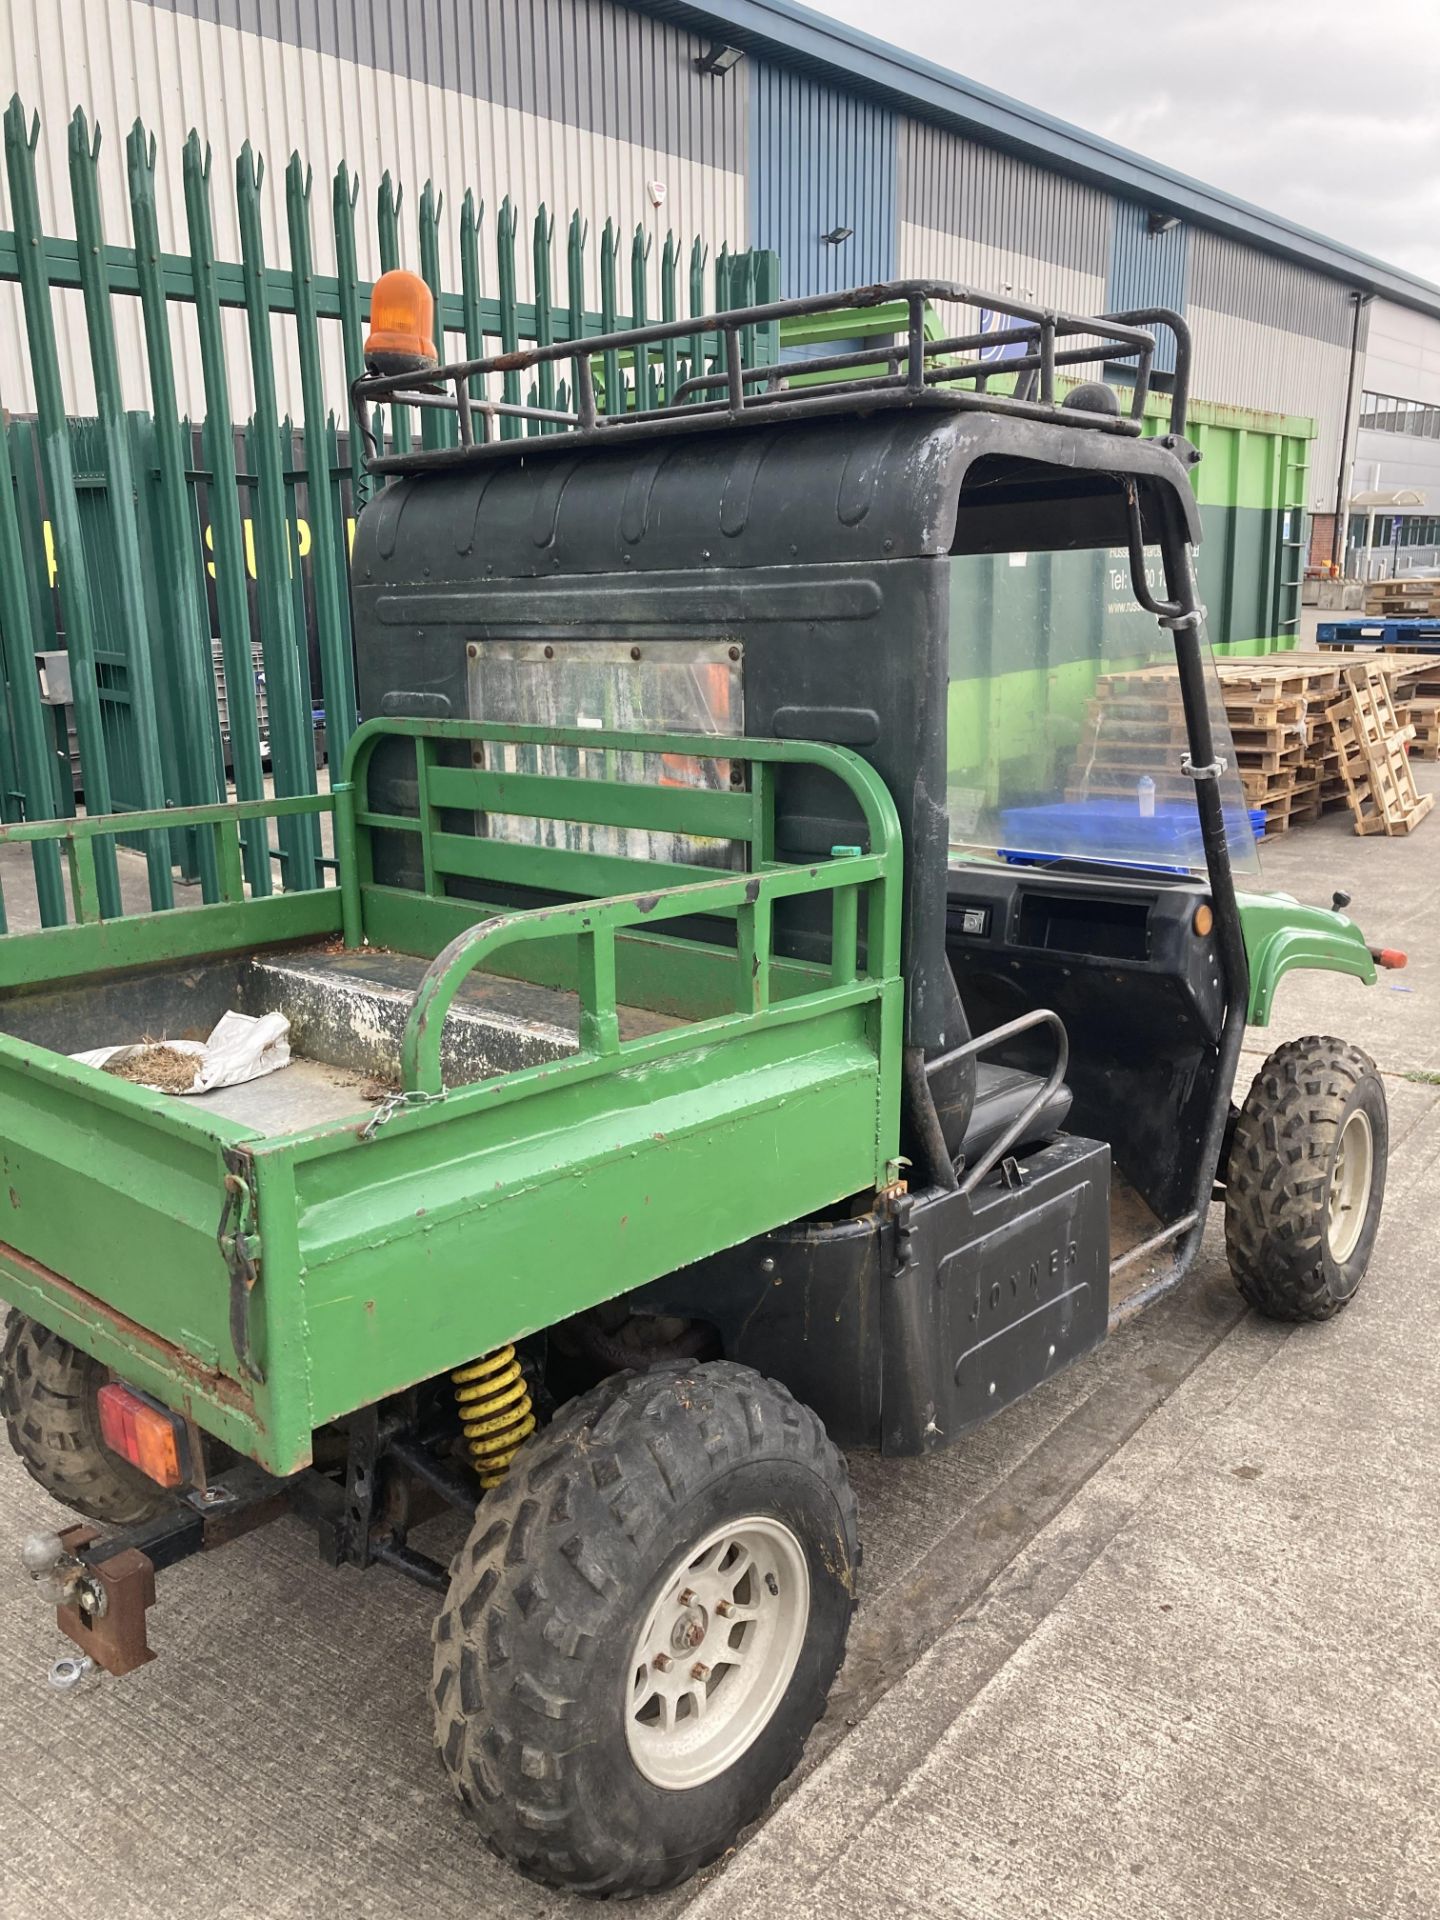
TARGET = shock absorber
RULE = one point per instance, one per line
(495, 1412)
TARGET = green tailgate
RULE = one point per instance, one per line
(111, 1200)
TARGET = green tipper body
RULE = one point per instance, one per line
(375, 1256)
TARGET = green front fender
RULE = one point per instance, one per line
(1280, 934)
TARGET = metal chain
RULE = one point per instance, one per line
(394, 1103)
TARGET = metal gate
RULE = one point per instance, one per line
(139, 553)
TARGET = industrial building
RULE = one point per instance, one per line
(750, 123)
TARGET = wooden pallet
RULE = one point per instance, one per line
(1305, 807)
(1422, 714)
(1402, 597)
(1280, 745)
(1259, 786)
(1285, 677)
(1371, 742)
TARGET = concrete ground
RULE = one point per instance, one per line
(1159, 1641)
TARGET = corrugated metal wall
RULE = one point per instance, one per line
(468, 111)
(969, 212)
(587, 103)
(1147, 270)
(821, 160)
(1270, 334)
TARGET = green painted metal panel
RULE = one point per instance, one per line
(467, 1235)
(1281, 934)
(210, 1398)
(179, 934)
(100, 941)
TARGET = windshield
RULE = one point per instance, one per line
(1065, 724)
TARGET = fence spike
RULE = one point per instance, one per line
(544, 234)
(610, 319)
(291, 734)
(197, 729)
(232, 604)
(36, 770)
(505, 229)
(436, 429)
(471, 215)
(670, 351)
(59, 477)
(387, 220)
(326, 556)
(639, 316)
(343, 200)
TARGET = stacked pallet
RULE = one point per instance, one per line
(1371, 744)
(1417, 704)
(1399, 599)
(1270, 703)
(1423, 716)
(1134, 731)
(1293, 764)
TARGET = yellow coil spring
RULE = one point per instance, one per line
(495, 1412)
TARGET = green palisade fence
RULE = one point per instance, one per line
(136, 549)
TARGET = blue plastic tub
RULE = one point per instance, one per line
(1110, 831)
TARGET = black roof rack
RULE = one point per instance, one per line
(722, 391)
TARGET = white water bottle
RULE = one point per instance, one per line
(1145, 794)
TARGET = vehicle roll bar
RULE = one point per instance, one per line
(720, 390)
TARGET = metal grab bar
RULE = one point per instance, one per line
(1039, 1017)
(595, 923)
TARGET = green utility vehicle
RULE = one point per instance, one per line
(705, 1057)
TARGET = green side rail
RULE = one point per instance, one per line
(593, 921)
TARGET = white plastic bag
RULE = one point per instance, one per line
(241, 1047)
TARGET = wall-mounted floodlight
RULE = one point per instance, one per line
(836, 235)
(720, 59)
(1159, 222)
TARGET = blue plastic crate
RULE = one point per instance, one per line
(1115, 830)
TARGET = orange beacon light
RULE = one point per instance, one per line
(402, 325)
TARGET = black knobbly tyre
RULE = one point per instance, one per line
(1305, 1179)
(643, 1627)
(52, 1419)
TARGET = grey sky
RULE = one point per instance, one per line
(1326, 111)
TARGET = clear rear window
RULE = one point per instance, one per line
(1065, 724)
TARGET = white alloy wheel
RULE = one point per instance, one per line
(717, 1652)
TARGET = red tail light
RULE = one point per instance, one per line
(1387, 956)
(146, 1434)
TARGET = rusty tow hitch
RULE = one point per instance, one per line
(100, 1604)
(103, 1585)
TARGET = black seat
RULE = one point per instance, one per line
(1001, 1096)
(977, 1101)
